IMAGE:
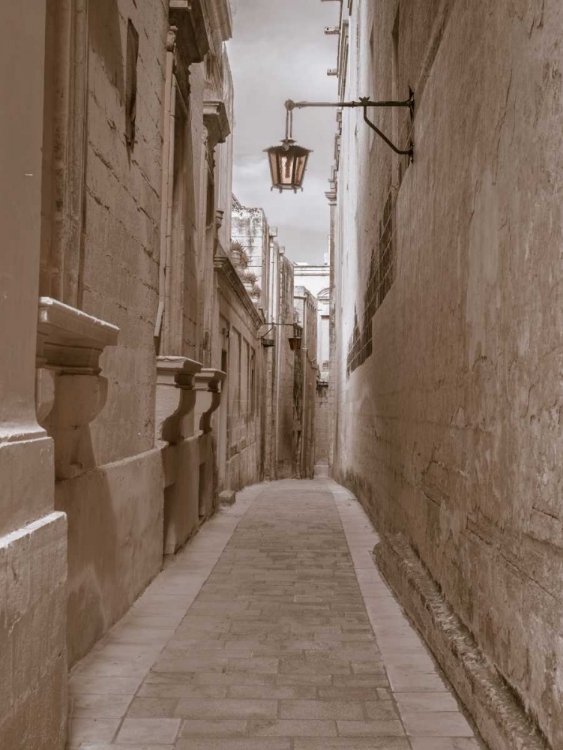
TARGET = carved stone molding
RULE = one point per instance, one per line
(225, 269)
(193, 37)
(221, 18)
(69, 339)
(216, 121)
(208, 386)
(70, 392)
(175, 398)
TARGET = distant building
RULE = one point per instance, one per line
(316, 279)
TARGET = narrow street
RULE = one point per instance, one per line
(270, 272)
(271, 630)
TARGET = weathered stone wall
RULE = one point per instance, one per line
(121, 250)
(449, 407)
(286, 466)
(114, 543)
(250, 229)
(115, 510)
(322, 426)
(81, 214)
(305, 383)
(241, 392)
(33, 567)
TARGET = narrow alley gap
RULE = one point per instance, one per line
(272, 630)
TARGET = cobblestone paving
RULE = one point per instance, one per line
(272, 631)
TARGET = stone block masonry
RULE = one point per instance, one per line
(122, 218)
(33, 664)
(448, 422)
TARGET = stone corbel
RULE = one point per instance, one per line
(194, 34)
(70, 392)
(208, 386)
(216, 121)
(175, 398)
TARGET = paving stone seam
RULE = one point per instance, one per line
(391, 691)
(346, 580)
(448, 687)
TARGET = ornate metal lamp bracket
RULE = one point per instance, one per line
(364, 102)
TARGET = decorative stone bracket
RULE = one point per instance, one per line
(194, 34)
(216, 120)
(208, 386)
(175, 398)
(70, 392)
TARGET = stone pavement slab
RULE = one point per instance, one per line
(272, 630)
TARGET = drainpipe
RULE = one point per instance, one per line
(167, 177)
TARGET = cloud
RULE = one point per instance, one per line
(278, 52)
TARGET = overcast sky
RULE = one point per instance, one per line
(279, 51)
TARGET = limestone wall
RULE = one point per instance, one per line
(122, 220)
(115, 544)
(33, 567)
(322, 426)
(305, 383)
(250, 229)
(243, 394)
(115, 509)
(449, 404)
(285, 375)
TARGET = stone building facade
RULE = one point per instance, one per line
(117, 172)
(239, 354)
(269, 277)
(33, 535)
(316, 278)
(284, 361)
(323, 405)
(250, 231)
(305, 383)
(447, 318)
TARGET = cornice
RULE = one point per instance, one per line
(221, 18)
(193, 35)
(225, 268)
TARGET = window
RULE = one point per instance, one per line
(131, 84)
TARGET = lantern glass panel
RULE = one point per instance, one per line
(274, 166)
(301, 163)
(287, 161)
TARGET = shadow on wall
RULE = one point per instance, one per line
(105, 40)
(115, 529)
(243, 468)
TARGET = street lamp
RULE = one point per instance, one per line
(294, 341)
(288, 162)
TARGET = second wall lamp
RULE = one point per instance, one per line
(294, 341)
(288, 162)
